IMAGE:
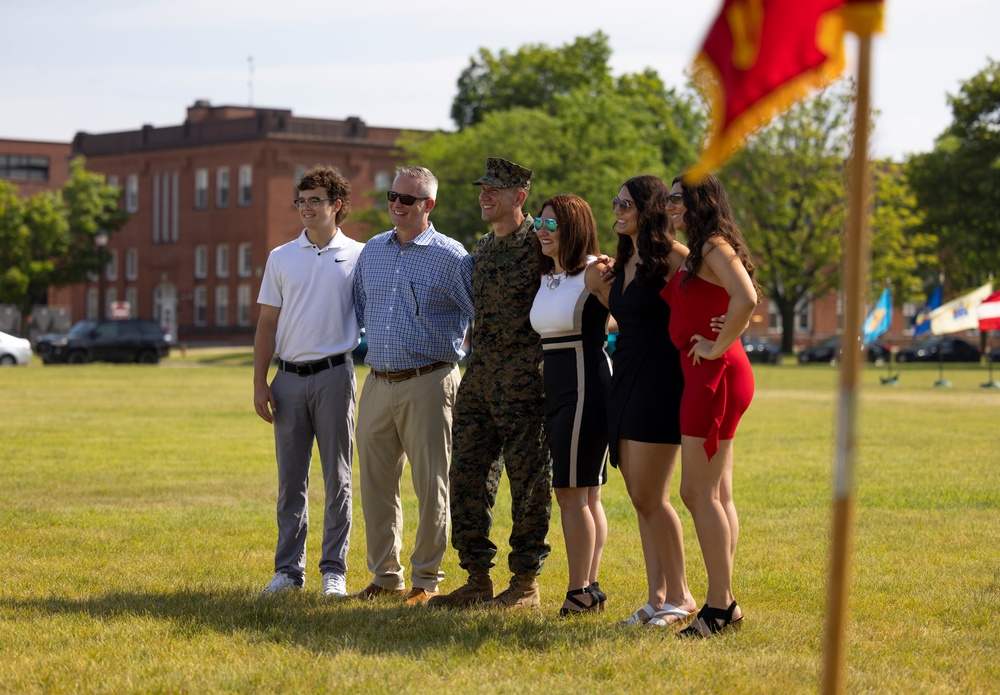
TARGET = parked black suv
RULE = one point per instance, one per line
(92, 340)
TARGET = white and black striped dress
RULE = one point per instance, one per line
(577, 370)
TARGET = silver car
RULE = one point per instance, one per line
(14, 350)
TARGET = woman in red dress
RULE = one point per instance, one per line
(717, 277)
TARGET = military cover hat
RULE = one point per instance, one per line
(503, 174)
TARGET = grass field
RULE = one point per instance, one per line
(137, 529)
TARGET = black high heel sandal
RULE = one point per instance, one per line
(598, 595)
(584, 608)
(711, 617)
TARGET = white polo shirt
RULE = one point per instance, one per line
(314, 288)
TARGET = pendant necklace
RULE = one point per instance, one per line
(555, 279)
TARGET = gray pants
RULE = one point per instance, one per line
(320, 407)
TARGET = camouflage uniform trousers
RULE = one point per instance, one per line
(491, 433)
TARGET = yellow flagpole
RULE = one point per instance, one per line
(856, 261)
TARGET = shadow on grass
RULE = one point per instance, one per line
(324, 625)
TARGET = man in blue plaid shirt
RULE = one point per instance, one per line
(413, 295)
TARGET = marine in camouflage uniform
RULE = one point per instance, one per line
(499, 413)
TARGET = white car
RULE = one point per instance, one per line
(14, 350)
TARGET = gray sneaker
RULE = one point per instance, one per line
(334, 584)
(281, 582)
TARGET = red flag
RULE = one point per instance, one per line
(989, 313)
(761, 56)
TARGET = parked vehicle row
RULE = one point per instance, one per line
(829, 350)
(99, 340)
(14, 350)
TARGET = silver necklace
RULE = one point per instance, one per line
(555, 279)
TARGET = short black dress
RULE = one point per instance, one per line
(646, 383)
(571, 322)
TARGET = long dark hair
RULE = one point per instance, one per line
(654, 239)
(577, 234)
(708, 215)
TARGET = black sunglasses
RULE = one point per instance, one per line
(403, 198)
(675, 198)
(617, 202)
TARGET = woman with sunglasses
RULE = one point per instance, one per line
(717, 276)
(646, 386)
(570, 313)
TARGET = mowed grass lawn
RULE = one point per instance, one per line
(137, 529)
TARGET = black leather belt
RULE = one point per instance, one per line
(410, 373)
(308, 368)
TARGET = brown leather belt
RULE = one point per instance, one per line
(410, 373)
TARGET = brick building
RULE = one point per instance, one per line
(208, 201)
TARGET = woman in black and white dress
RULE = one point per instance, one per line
(570, 313)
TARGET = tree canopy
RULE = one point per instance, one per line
(788, 191)
(957, 184)
(560, 113)
(47, 240)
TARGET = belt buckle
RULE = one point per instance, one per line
(303, 369)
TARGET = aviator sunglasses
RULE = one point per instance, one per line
(617, 202)
(549, 224)
(403, 198)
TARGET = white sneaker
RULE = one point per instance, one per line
(334, 584)
(281, 582)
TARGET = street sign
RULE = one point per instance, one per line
(120, 310)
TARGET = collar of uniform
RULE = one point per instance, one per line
(335, 243)
(423, 239)
(518, 236)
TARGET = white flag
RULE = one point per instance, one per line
(959, 314)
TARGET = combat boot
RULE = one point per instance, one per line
(479, 588)
(522, 593)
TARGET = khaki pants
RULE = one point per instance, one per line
(398, 421)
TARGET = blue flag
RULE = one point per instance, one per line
(922, 321)
(877, 322)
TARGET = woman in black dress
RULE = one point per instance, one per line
(570, 313)
(646, 386)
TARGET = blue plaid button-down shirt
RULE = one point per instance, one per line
(414, 300)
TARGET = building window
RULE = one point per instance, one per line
(246, 185)
(222, 187)
(132, 264)
(132, 297)
(113, 181)
(200, 305)
(132, 193)
(222, 305)
(201, 262)
(802, 320)
(243, 303)
(109, 300)
(156, 208)
(222, 261)
(200, 189)
(383, 179)
(244, 260)
(22, 167)
(91, 302)
(111, 270)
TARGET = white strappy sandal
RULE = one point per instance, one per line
(659, 618)
(641, 616)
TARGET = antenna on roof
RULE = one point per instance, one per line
(250, 80)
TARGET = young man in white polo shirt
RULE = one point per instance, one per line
(307, 321)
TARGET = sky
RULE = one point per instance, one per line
(109, 65)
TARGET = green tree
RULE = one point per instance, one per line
(788, 192)
(902, 251)
(559, 112)
(588, 145)
(957, 184)
(531, 77)
(47, 240)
